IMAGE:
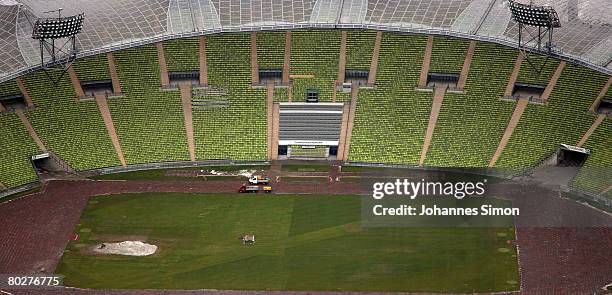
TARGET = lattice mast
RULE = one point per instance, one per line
(545, 19)
(50, 32)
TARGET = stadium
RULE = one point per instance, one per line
(133, 132)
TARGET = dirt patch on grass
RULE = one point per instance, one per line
(127, 248)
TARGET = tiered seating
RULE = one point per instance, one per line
(9, 88)
(315, 53)
(470, 125)
(92, 68)
(149, 122)
(530, 76)
(239, 130)
(16, 148)
(359, 47)
(391, 120)
(281, 94)
(73, 130)
(270, 50)
(299, 152)
(182, 54)
(564, 120)
(596, 174)
(447, 55)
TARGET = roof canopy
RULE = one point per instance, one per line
(585, 34)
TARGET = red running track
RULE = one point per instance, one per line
(560, 260)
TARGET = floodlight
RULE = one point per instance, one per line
(532, 15)
(56, 28)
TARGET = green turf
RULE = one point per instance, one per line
(303, 243)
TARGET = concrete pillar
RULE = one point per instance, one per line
(374, 61)
(521, 105)
(602, 93)
(433, 119)
(163, 68)
(110, 126)
(31, 131)
(76, 84)
(24, 92)
(467, 63)
(553, 81)
(188, 117)
(270, 117)
(203, 63)
(254, 64)
(426, 61)
(342, 58)
(287, 58)
(112, 69)
(514, 75)
(589, 132)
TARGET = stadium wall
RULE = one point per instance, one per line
(390, 119)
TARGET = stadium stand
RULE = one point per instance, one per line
(270, 49)
(530, 75)
(182, 54)
(237, 131)
(563, 120)
(472, 123)
(391, 120)
(596, 174)
(9, 88)
(314, 53)
(359, 48)
(92, 68)
(447, 55)
(149, 121)
(72, 130)
(17, 147)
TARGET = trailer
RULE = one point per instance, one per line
(259, 179)
(254, 189)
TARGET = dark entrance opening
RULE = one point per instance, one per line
(44, 163)
(13, 102)
(333, 151)
(571, 158)
(529, 91)
(312, 95)
(605, 106)
(442, 79)
(282, 150)
(356, 76)
(189, 77)
(92, 88)
(267, 76)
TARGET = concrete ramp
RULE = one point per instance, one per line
(188, 116)
(433, 119)
(110, 126)
(521, 105)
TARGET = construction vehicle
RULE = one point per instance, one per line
(254, 189)
(259, 179)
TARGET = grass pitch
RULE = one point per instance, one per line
(302, 243)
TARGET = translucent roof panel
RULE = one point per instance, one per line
(253, 12)
(419, 13)
(584, 25)
(585, 34)
(10, 56)
(109, 21)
